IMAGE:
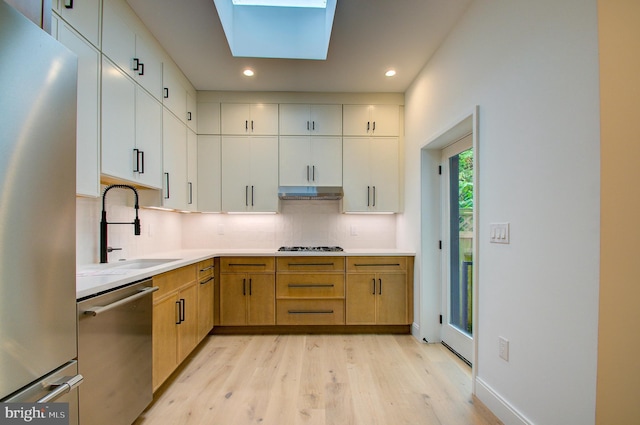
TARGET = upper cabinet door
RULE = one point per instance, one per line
(128, 44)
(88, 137)
(249, 119)
(326, 120)
(371, 120)
(208, 118)
(313, 120)
(83, 16)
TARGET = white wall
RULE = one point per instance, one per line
(532, 67)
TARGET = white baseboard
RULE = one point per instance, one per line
(499, 406)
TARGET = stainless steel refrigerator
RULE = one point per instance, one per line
(38, 344)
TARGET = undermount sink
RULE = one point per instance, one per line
(143, 263)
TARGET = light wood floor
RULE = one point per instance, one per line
(318, 379)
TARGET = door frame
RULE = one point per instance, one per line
(430, 287)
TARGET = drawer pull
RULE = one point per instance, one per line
(311, 285)
(310, 311)
(310, 264)
(205, 269)
(248, 265)
(206, 281)
(377, 265)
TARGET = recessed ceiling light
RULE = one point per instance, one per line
(248, 72)
(390, 73)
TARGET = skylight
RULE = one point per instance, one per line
(282, 3)
(287, 29)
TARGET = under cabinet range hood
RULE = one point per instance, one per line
(310, 192)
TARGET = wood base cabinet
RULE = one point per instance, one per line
(379, 291)
(310, 290)
(205, 297)
(247, 291)
(175, 320)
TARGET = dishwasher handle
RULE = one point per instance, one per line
(61, 387)
(101, 309)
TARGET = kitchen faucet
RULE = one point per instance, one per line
(104, 223)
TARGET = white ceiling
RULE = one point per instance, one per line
(368, 37)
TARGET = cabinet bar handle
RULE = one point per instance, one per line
(313, 127)
(374, 286)
(310, 264)
(246, 196)
(250, 265)
(168, 193)
(246, 125)
(313, 174)
(182, 310)
(244, 287)
(136, 64)
(178, 313)
(206, 281)
(166, 92)
(374, 126)
(206, 268)
(311, 285)
(310, 311)
(141, 162)
(307, 125)
(68, 4)
(141, 69)
(377, 265)
(307, 173)
(190, 193)
(368, 126)
(368, 194)
(251, 125)
(136, 153)
(374, 196)
(380, 289)
(250, 286)
(251, 195)
(188, 116)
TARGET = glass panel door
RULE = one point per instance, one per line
(458, 198)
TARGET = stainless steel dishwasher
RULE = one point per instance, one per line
(115, 354)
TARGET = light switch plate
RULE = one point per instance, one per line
(499, 233)
(503, 348)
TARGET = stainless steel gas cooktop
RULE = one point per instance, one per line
(311, 248)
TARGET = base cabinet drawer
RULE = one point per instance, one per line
(310, 312)
(326, 285)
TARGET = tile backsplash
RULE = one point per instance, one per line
(298, 223)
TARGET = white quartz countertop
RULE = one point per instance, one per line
(92, 279)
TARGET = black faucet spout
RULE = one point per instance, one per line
(104, 223)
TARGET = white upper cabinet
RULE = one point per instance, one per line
(82, 15)
(315, 120)
(88, 115)
(209, 173)
(174, 152)
(192, 171)
(249, 119)
(131, 130)
(208, 118)
(131, 47)
(310, 161)
(192, 115)
(249, 174)
(371, 174)
(174, 95)
(371, 120)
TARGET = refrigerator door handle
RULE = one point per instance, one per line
(61, 387)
